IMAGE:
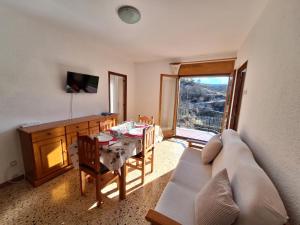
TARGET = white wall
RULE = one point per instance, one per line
(148, 86)
(270, 112)
(34, 58)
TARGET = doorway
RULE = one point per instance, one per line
(194, 107)
(117, 91)
(237, 96)
(201, 106)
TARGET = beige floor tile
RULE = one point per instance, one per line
(59, 201)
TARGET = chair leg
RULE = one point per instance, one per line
(152, 161)
(98, 192)
(143, 170)
(116, 172)
(80, 180)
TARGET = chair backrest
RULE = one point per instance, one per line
(148, 138)
(146, 119)
(88, 152)
(106, 125)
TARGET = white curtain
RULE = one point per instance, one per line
(114, 95)
(168, 103)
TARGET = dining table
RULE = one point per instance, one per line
(117, 145)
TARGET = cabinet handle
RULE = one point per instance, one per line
(48, 133)
(77, 126)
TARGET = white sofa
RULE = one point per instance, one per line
(253, 191)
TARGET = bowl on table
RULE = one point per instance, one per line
(136, 131)
(102, 137)
(140, 125)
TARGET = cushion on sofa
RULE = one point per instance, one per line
(214, 204)
(177, 202)
(253, 191)
(211, 149)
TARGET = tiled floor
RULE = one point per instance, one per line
(59, 201)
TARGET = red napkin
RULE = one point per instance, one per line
(107, 142)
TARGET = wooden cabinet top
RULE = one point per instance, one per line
(62, 123)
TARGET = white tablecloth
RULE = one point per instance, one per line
(115, 153)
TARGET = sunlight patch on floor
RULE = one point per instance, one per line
(133, 179)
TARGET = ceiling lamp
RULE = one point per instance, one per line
(129, 14)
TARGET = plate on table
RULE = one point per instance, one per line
(140, 125)
(136, 131)
(104, 137)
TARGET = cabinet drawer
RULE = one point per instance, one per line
(47, 134)
(94, 123)
(77, 127)
(72, 137)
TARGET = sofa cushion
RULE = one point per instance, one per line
(191, 175)
(177, 202)
(211, 149)
(192, 155)
(253, 191)
(214, 204)
(234, 150)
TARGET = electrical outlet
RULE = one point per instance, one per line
(13, 163)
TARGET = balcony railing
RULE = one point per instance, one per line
(204, 123)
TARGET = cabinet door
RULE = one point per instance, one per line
(50, 155)
(72, 137)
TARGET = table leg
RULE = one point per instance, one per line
(122, 183)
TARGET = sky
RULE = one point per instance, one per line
(213, 80)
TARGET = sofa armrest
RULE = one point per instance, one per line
(157, 218)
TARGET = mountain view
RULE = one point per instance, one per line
(201, 104)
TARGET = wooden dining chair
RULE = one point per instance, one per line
(147, 155)
(146, 119)
(106, 125)
(89, 163)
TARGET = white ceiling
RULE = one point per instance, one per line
(168, 28)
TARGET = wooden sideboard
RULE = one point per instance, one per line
(44, 146)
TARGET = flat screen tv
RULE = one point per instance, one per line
(81, 83)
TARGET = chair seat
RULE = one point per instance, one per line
(139, 155)
(103, 168)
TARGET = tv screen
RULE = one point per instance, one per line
(81, 83)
